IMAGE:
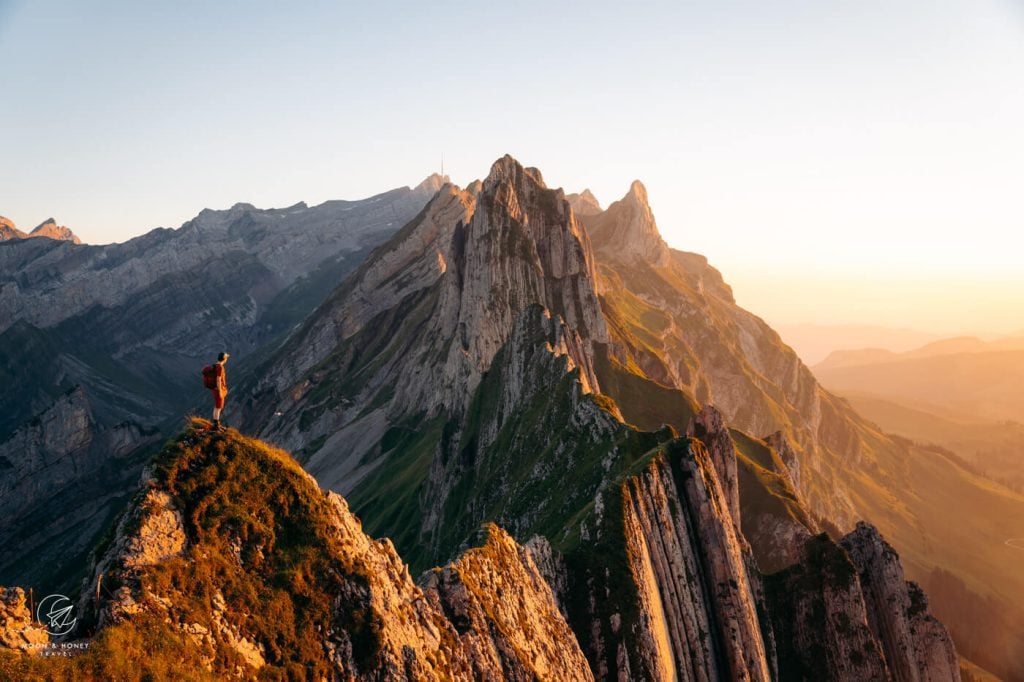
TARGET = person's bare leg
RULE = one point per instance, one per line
(216, 417)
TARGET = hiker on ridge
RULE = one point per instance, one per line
(216, 379)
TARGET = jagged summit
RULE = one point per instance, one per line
(584, 203)
(447, 291)
(507, 168)
(47, 224)
(9, 231)
(48, 228)
(627, 231)
(433, 182)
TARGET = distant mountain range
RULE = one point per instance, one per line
(961, 393)
(814, 342)
(675, 495)
(962, 378)
(48, 228)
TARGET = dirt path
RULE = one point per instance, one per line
(1016, 543)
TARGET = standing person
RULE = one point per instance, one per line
(216, 379)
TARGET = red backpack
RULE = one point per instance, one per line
(210, 377)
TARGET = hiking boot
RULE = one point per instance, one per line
(215, 426)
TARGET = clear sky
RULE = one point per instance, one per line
(843, 161)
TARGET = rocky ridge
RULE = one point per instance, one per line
(433, 307)
(183, 561)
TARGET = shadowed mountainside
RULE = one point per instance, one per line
(104, 345)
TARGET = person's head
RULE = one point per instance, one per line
(223, 357)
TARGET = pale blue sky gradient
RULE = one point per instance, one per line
(807, 140)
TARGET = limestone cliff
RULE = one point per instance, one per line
(675, 325)
(63, 476)
(416, 327)
(627, 232)
(917, 646)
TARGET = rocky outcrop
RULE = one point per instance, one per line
(51, 230)
(551, 565)
(820, 620)
(627, 232)
(16, 628)
(708, 427)
(780, 443)
(149, 533)
(917, 646)
(697, 610)
(506, 614)
(584, 203)
(9, 231)
(846, 613)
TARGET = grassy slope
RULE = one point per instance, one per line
(517, 481)
(763, 490)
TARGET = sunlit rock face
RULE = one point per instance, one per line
(48, 229)
(433, 307)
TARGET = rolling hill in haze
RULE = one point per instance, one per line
(963, 394)
(667, 490)
(814, 342)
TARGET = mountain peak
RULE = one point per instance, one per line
(49, 228)
(432, 183)
(584, 203)
(638, 193)
(627, 230)
(9, 231)
(507, 168)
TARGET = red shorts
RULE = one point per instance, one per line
(218, 399)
